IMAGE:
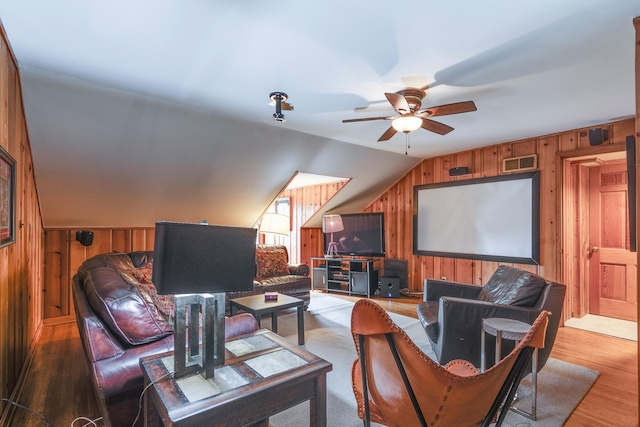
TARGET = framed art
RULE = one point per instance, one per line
(7, 199)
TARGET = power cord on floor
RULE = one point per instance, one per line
(168, 374)
(27, 409)
(90, 422)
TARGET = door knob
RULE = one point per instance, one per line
(594, 249)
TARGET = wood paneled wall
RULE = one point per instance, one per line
(397, 203)
(64, 254)
(20, 263)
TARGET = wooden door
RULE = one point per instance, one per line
(612, 268)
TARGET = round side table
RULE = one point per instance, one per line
(514, 330)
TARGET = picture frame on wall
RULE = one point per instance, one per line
(7, 199)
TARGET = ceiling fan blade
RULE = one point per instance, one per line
(399, 103)
(445, 110)
(387, 135)
(436, 127)
(286, 106)
(367, 119)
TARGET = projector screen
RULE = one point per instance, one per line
(492, 219)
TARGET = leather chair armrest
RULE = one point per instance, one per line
(299, 269)
(434, 289)
(460, 324)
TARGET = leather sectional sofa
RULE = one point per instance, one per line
(119, 323)
(275, 274)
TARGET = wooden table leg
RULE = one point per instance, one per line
(274, 321)
(318, 404)
(300, 325)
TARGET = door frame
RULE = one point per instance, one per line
(573, 180)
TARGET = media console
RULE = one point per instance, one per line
(352, 276)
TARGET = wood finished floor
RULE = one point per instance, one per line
(57, 383)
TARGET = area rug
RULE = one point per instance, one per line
(561, 385)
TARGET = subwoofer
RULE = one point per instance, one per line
(389, 287)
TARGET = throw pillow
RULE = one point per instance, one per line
(271, 262)
(164, 303)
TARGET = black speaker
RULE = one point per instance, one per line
(462, 170)
(85, 237)
(389, 287)
(597, 136)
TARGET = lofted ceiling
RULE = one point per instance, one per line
(159, 110)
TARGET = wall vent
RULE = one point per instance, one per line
(520, 164)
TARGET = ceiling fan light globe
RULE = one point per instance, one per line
(406, 124)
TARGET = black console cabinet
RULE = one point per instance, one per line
(347, 275)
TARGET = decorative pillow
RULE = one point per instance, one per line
(512, 286)
(164, 303)
(271, 262)
(123, 308)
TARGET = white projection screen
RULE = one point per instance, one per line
(491, 219)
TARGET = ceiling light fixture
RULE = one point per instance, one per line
(279, 100)
(406, 124)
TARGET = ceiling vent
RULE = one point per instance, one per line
(520, 164)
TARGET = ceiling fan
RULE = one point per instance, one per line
(407, 103)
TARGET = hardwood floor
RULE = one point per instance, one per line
(57, 383)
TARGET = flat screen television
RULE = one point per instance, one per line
(362, 234)
(199, 258)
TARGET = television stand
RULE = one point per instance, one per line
(352, 276)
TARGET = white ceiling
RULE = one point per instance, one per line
(130, 104)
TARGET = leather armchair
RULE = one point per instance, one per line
(451, 313)
(396, 384)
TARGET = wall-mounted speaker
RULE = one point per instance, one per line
(85, 237)
(597, 136)
(462, 170)
(631, 192)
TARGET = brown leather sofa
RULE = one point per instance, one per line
(119, 324)
(275, 274)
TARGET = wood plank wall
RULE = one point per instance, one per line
(20, 263)
(397, 203)
(64, 254)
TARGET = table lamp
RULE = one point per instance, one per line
(332, 224)
(198, 263)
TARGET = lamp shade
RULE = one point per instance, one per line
(275, 224)
(332, 223)
(406, 123)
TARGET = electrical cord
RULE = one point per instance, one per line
(27, 409)
(89, 421)
(169, 374)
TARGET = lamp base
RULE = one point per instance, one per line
(187, 358)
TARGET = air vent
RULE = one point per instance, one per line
(520, 164)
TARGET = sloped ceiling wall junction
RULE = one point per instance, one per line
(145, 160)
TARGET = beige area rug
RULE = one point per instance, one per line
(561, 385)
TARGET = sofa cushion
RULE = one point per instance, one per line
(271, 262)
(129, 315)
(512, 286)
(164, 303)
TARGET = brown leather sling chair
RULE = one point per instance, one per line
(396, 384)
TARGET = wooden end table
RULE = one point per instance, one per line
(263, 374)
(257, 306)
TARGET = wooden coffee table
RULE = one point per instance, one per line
(256, 305)
(263, 374)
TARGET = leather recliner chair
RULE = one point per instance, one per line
(451, 313)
